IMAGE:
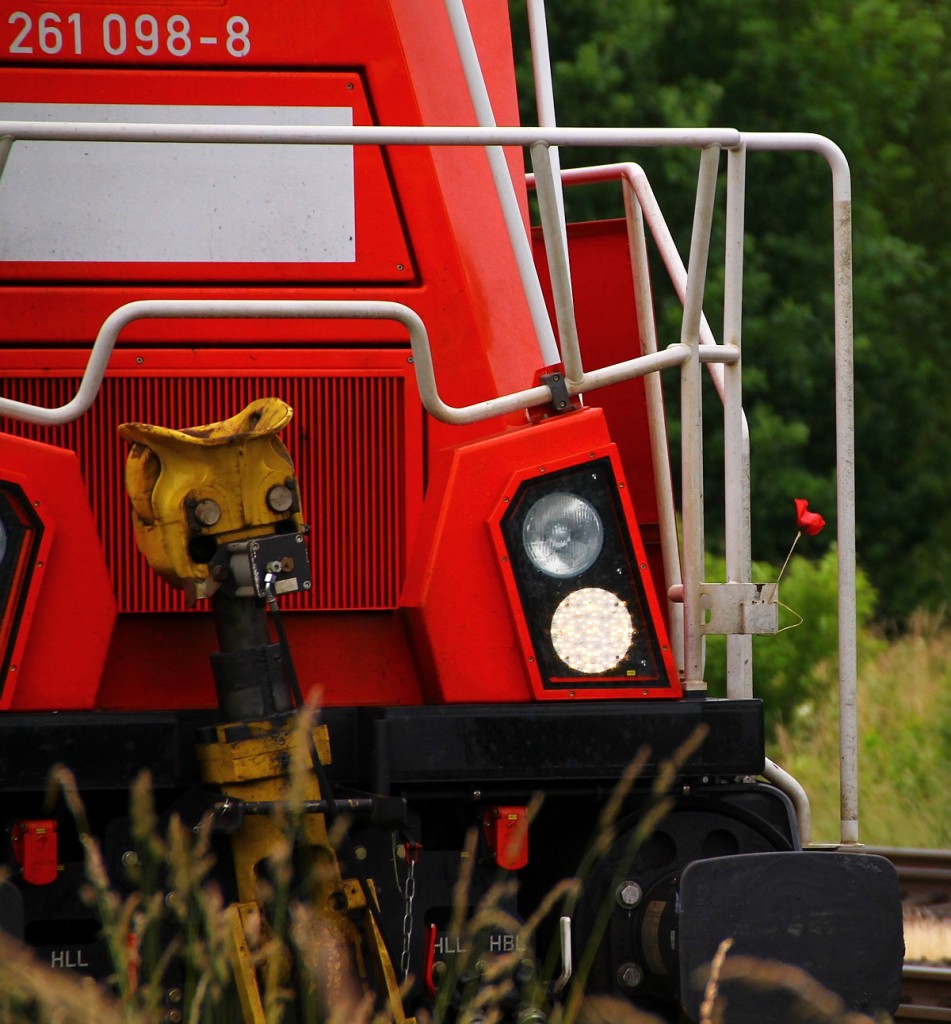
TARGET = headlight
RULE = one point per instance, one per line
(562, 534)
(592, 630)
(589, 621)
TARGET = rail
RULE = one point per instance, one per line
(926, 993)
(924, 875)
(687, 353)
(925, 880)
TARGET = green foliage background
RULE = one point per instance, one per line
(874, 76)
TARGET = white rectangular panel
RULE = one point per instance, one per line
(137, 202)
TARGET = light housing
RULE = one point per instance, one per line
(577, 575)
(21, 531)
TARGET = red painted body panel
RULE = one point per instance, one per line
(346, 658)
(429, 233)
(65, 630)
(469, 642)
(356, 435)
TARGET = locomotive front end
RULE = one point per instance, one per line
(466, 546)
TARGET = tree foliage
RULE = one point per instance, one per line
(873, 76)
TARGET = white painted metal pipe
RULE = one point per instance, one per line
(742, 651)
(691, 422)
(780, 778)
(367, 135)
(633, 175)
(656, 420)
(556, 249)
(144, 309)
(696, 138)
(554, 195)
(544, 89)
(736, 464)
(845, 455)
(515, 225)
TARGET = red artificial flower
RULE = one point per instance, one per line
(809, 522)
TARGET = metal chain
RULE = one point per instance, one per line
(409, 893)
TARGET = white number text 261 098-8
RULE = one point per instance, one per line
(159, 36)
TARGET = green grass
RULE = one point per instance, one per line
(904, 742)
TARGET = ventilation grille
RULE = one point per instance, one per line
(348, 439)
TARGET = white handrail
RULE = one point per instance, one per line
(688, 353)
(691, 428)
(317, 309)
(366, 135)
(736, 444)
(845, 453)
(504, 187)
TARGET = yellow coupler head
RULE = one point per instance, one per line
(197, 488)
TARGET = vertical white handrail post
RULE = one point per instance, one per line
(556, 249)
(736, 467)
(544, 90)
(514, 223)
(553, 195)
(845, 504)
(691, 424)
(845, 454)
(654, 397)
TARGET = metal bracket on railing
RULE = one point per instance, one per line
(558, 386)
(740, 608)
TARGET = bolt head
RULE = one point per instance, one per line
(630, 975)
(280, 498)
(207, 512)
(629, 894)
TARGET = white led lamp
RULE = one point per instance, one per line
(592, 630)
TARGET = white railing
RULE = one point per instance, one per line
(696, 344)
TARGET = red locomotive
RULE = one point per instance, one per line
(216, 214)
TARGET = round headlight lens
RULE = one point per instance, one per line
(592, 630)
(562, 534)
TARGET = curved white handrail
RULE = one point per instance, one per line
(687, 354)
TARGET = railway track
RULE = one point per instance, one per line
(925, 877)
